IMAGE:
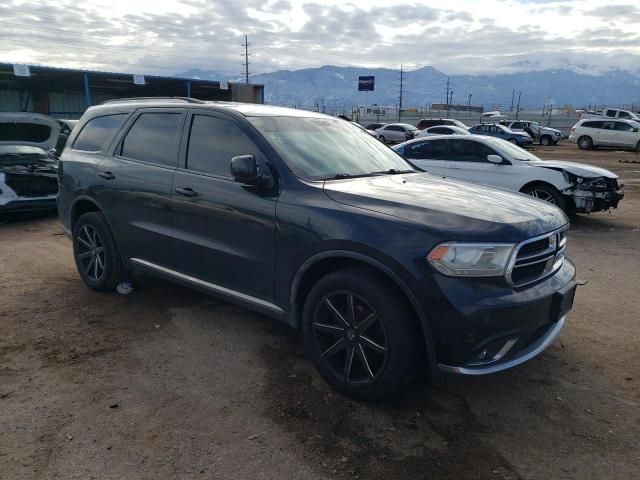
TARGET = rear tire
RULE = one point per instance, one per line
(545, 140)
(360, 333)
(96, 253)
(382, 139)
(585, 143)
(546, 193)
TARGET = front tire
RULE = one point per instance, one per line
(96, 253)
(546, 193)
(382, 139)
(360, 334)
(546, 140)
(585, 143)
(514, 141)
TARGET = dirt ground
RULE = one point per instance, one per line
(168, 383)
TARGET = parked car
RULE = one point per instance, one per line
(610, 113)
(442, 130)
(606, 133)
(386, 269)
(542, 135)
(28, 166)
(573, 187)
(435, 122)
(373, 133)
(375, 126)
(500, 131)
(396, 132)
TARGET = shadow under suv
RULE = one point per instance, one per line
(386, 269)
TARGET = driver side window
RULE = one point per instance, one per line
(213, 142)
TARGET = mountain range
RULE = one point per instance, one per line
(337, 87)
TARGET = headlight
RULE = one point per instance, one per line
(471, 259)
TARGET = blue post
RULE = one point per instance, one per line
(188, 88)
(87, 94)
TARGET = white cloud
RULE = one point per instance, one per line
(468, 36)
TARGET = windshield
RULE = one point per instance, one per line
(324, 148)
(510, 150)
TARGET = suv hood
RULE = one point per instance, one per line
(31, 129)
(579, 169)
(461, 210)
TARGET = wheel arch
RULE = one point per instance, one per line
(325, 262)
(79, 207)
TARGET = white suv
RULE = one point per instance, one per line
(590, 133)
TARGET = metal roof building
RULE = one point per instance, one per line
(67, 93)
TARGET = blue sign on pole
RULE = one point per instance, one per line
(366, 84)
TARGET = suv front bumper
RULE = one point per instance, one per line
(486, 328)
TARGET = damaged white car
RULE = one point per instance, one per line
(574, 187)
(28, 165)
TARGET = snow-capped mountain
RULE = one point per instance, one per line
(336, 87)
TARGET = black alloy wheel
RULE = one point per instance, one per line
(361, 333)
(96, 254)
(90, 253)
(350, 337)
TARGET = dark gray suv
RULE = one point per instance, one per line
(386, 269)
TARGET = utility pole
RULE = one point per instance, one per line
(470, 103)
(246, 56)
(513, 96)
(518, 107)
(401, 88)
(447, 96)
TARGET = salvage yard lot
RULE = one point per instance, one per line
(169, 383)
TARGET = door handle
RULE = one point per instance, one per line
(187, 192)
(107, 175)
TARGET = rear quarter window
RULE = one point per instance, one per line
(592, 124)
(98, 131)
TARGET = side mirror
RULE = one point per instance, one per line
(244, 169)
(494, 159)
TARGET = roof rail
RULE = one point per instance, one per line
(152, 99)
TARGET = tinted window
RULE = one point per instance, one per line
(517, 126)
(441, 130)
(624, 115)
(213, 142)
(608, 125)
(432, 150)
(592, 124)
(625, 127)
(154, 138)
(98, 131)
(24, 132)
(481, 151)
(610, 113)
(462, 151)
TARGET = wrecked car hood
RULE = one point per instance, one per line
(458, 208)
(31, 129)
(21, 158)
(579, 169)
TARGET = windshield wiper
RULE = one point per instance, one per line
(393, 171)
(340, 176)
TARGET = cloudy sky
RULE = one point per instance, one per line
(466, 36)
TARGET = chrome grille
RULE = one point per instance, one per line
(537, 258)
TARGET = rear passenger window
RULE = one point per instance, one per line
(213, 142)
(98, 131)
(154, 138)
